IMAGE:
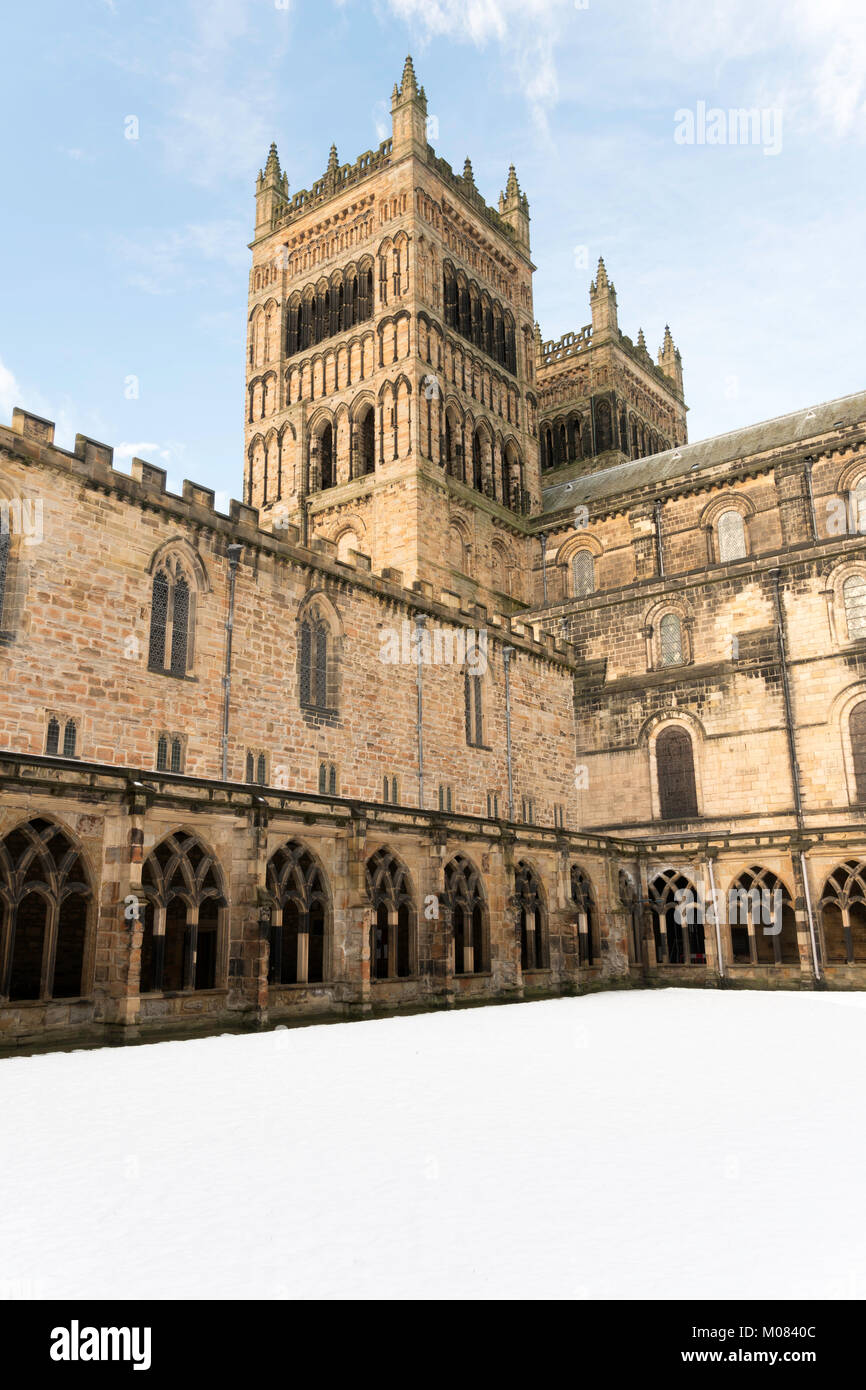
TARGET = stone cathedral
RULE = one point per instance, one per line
(492, 686)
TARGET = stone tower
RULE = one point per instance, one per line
(390, 404)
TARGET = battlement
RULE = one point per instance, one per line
(334, 182)
(566, 346)
(32, 438)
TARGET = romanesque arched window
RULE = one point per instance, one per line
(183, 916)
(731, 531)
(854, 599)
(532, 916)
(300, 917)
(477, 473)
(857, 733)
(588, 947)
(171, 618)
(510, 346)
(582, 573)
(465, 898)
(44, 901)
(678, 920)
(761, 920)
(671, 648)
(842, 910)
(327, 473)
(603, 427)
(547, 456)
(392, 932)
(675, 769)
(366, 441)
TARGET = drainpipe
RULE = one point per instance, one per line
(813, 520)
(507, 654)
(659, 551)
(543, 538)
(420, 622)
(792, 757)
(719, 957)
(234, 554)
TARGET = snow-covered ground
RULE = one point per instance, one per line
(667, 1144)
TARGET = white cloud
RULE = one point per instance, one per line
(10, 393)
(528, 31)
(148, 451)
(172, 260)
(812, 54)
(226, 84)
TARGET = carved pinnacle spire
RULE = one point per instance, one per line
(272, 167)
(408, 87)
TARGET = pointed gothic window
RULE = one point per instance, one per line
(261, 770)
(162, 754)
(675, 765)
(465, 898)
(52, 739)
(314, 664)
(69, 737)
(171, 620)
(42, 933)
(392, 944)
(474, 709)
(533, 919)
(300, 917)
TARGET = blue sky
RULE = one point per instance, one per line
(127, 258)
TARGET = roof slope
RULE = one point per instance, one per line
(635, 474)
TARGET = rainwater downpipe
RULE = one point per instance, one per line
(419, 681)
(507, 654)
(716, 916)
(234, 554)
(660, 556)
(792, 756)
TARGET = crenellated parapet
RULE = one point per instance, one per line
(31, 438)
